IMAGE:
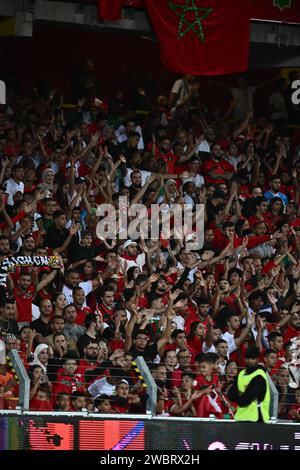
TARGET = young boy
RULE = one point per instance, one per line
(103, 404)
(68, 378)
(209, 381)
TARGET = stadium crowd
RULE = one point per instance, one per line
(191, 314)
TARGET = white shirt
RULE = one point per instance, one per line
(87, 286)
(100, 387)
(188, 200)
(35, 312)
(180, 322)
(11, 188)
(122, 137)
(230, 341)
(139, 262)
(144, 175)
(198, 180)
(206, 349)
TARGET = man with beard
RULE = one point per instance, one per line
(72, 280)
(27, 246)
(165, 153)
(130, 127)
(216, 169)
(137, 189)
(4, 247)
(293, 326)
(136, 183)
(135, 164)
(91, 358)
(131, 255)
(106, 305)
(201, 313)
(8, 322)
(79, 301)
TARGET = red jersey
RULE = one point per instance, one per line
(40, 405)
(195, 346)
(81, 314)
(201, 382)
(220, 167)
(67, 384)
(290, 333)
(24, 302)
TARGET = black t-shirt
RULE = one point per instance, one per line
(78, 252)
(9, 327)
(55, 238)
(40, 327)
(149, 353)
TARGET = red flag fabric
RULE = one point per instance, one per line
(202, 37)
(286, 11)
(110, 10)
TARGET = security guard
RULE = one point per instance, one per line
(251, 390)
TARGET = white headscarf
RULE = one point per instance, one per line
(36, 361)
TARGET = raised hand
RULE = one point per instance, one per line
(74, 229)
(251, 320)
(95, 138)
(175, 294)
(154, 277)
(202, 194)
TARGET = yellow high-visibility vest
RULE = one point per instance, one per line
(250, 412)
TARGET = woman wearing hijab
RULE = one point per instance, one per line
(48, 182)
(41, 356)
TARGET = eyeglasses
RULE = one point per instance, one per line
(70, 364)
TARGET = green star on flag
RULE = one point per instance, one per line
(184, 25)
(281, 4)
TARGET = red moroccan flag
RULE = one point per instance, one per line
(286, 11)
(110, 10)
(202, 37)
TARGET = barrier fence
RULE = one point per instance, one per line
(43, 431)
